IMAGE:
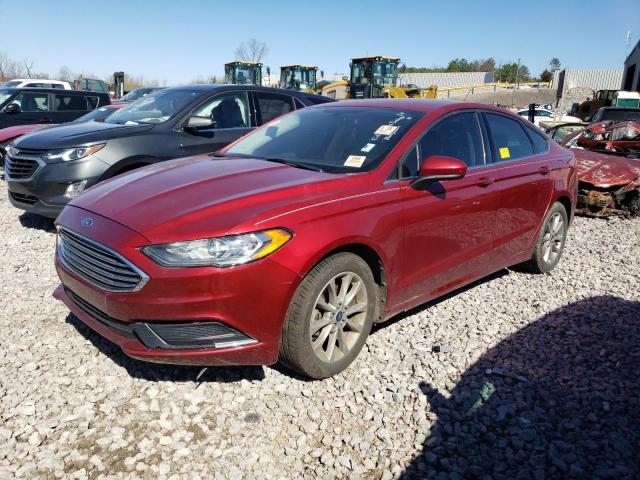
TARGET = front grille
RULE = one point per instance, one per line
(97, 264)
(20, 168)
(22, 198)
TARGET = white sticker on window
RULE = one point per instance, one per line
(355, 161)
(386, 130)
(368, 147)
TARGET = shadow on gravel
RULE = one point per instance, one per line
(401, 316)
(165, 373)
(566, 405)
(31, 220)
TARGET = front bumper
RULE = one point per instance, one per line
(249, 301)
(43, 192)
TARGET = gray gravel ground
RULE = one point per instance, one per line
(71, 405)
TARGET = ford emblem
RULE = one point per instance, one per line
(87, 222)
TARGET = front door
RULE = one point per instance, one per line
(34, 108)
(229, 112)
(449, 227)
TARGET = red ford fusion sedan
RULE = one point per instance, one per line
(291, 242)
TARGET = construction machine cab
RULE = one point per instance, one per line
(299, 77)
(243, 73)
(370, 76)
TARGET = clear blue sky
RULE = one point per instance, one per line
(176, 40)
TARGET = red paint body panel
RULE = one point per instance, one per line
(602, 170)
(16, 131)
(429, 241)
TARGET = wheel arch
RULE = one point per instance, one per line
(127, 165)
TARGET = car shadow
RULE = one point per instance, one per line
(38, 222)
(155, 372)
(564, 402)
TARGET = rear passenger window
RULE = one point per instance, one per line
(93, 102)
(509, 138)
(457, 136)
(70, 103)
(273, 105)
(540, 144)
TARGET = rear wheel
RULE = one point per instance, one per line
(329, 317)
(551, 239)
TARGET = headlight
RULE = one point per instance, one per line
(219, 252)
(73, 153)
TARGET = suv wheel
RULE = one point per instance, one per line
(330, 316)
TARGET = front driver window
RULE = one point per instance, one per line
(228, 110)
(32, 102)
(457, 136)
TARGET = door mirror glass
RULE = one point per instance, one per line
(12, 108)
(437, 168)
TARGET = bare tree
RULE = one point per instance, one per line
(28, 66)
(9, 69)
(65, 74)
(252, 50)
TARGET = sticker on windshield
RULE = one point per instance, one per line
(355, 161)
(504, 152)
(386, 130)
(368, 147)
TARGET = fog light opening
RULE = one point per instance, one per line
(74, 189)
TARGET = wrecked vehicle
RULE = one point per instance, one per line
(608, 155)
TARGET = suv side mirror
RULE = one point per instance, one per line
(437, 168)
(194, 124)
(12, 108)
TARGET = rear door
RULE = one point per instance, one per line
(68, 107)
(449, 227)
(230, 113)
(525, 182)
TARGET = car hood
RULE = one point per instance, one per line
(73, 134)
(202, 196)
(19, 130)
(602, 170)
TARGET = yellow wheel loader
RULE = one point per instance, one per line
(243, 73)
(299, 77)
(374, 77)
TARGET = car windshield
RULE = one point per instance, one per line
(11, 83)
(97, 115)
(619, 115)
(156, 107)
(136, 94)
(5, 95)
(336, 139)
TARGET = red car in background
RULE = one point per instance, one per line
(9, 134)
(290, 243)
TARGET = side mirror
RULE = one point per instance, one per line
(438, 168)
(12, 108)
(194, 124)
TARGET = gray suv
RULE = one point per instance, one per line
(48, 168)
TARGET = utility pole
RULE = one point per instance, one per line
(513, 95)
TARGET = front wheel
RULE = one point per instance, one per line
(551, 239)
(329, 317)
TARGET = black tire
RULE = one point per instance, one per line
(541, 261)
(296, 348)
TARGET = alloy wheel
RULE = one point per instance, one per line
(553, 238)
(338, 317)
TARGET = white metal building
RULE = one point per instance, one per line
(631, 80)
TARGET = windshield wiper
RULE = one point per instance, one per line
(306, 166)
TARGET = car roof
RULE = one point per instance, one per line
(52, 90)
(231, 86)
(626, 109)
(42, 80)
(419, 105)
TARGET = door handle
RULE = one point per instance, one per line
(485, 181)
(45, 120)
(544, 170)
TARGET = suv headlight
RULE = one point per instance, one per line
(73, 153)
(219, 252)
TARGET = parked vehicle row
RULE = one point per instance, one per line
(46, 169)
(289, 243)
